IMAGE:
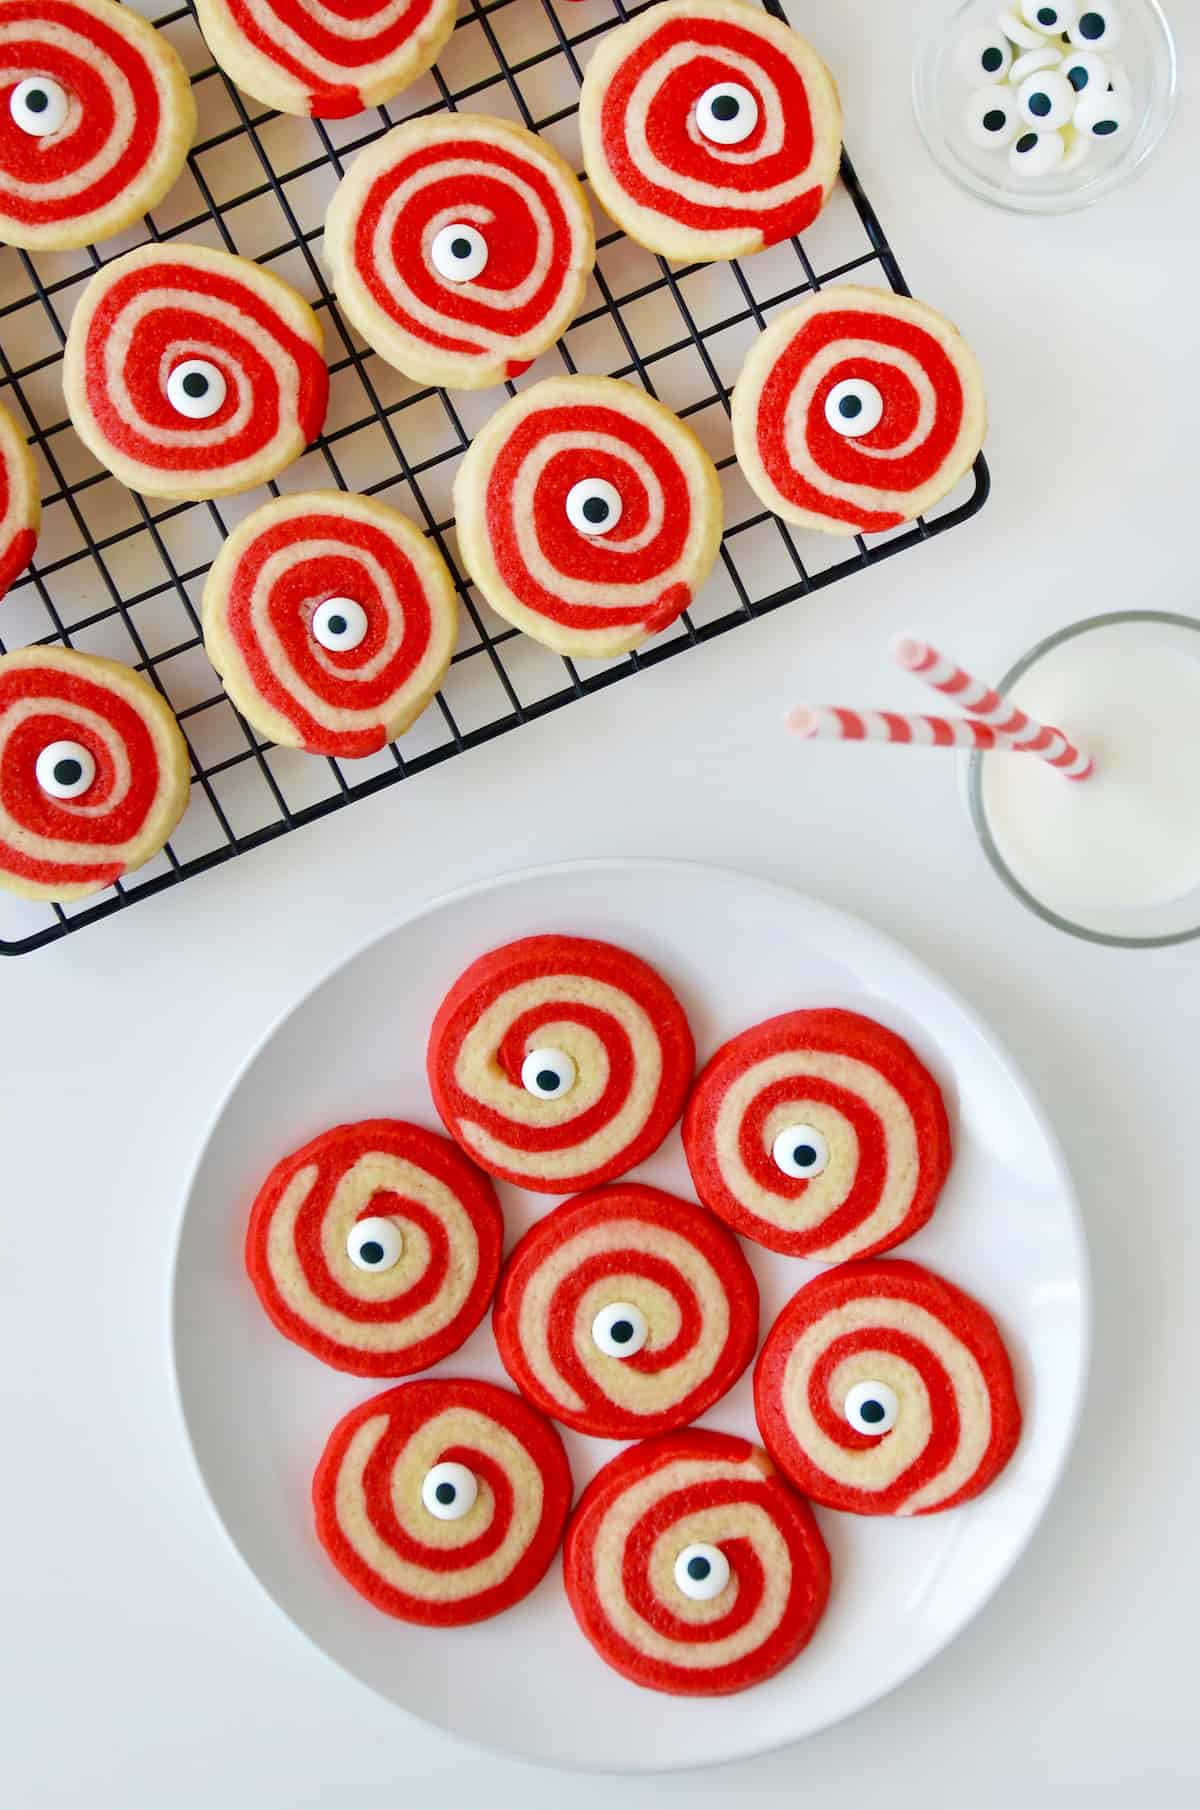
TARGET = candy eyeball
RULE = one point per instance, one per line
(374, 1244)
(593, 506)
(1097, 28)
(548, 1073)
(1046, 99)
(459, 252)
(620, 1329)
(1050, 15)
(701, 1571)
(991, 118)
(854, 407)
(1103, 114)
(727, 113)
(801, 1152)
(1032, 60)
(1084, 70)
(1036, 152)
(196, 389)
(449, 1491)
(340, 624)
(871, 1407)
(985, 56)
(1027, 37)
(65, 769)
(39, 106)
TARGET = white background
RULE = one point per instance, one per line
(140, 1665)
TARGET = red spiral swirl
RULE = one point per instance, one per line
(20, 508)
(337, 55)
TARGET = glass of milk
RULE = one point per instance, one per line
(1114, 858)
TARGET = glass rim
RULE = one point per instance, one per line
(1113, 619)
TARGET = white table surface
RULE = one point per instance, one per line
(139, 1663)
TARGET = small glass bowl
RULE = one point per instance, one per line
(940, 90)
(1175, 920)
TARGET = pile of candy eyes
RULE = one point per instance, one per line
(1046, 84)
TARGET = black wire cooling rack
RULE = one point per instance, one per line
(120, 575)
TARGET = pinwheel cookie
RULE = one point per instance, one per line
(692, 1567)
(20, 504)
(626, 1312)
(884, 1390)
(588, 514)
(819, 1134)
(559, 1062)
(192, 373)
(709, 129)
(321, 59)
(331, 620)
(442, 1502)
(93, 772)
(857, 410)
(376, 1247)
(460, 248)
(96, 117)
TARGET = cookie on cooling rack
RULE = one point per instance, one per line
(820, 1134)
(460, 248)
(883, 1389)
(327, 61)
(20, 504)
(692, 1567)
(192, 373)
(96, 118)
(559, 1062)
(709, 129)
(376, 1247)
(93, 772)
(626, 1312)
(857, 410)
(442, 1502)
(331, 620)
(588, 514)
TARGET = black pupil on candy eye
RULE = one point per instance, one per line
(1103, 127)
(337, 625)
(1078, 79)
(850, 406)
(726, 106)
(547, 1080)
(992, 59)
(698, 1568)
(621, 1331)
(372, 1251)
(595, 509)
(460, 248)
(37, 100)
(68, 772)
(804, 1156)
(1026, 142)
(1091, 26)
(445, 1493)
(993, 120)
(873, 1411)
(1039, 104)
(1047, 15)
(195, 384)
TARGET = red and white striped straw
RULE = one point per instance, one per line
(987, 706)
(829, 723)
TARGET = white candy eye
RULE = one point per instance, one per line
(871, 1408)
(548, 1073)
(727, 113)
(593, 506)
(1031, 60)
(702, 1571)
(991, 118)
(449, 1491)
(1097, 28)
(1103, 113)
(985, 56)
(800, 1151)
(1036, 153)
(1084, 70)
(620, 1329)
(374, 1244)
(65, 769)
(459, 252)
(1050, 15)
(196, 388)
(1047, 100)
(39, 106)
(1027, 37)
(853, 407)
(339, 624)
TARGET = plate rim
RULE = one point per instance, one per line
(711, 871)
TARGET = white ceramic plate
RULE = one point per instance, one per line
(258, 1410)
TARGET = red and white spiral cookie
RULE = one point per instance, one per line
(376, 1247)
(559, 1062)
(692, 1567)
(857, 410)
(588, 514)
(820, 1134)
(884, 1390)
(20, 504)
(328, 58)
(709, 129)
(192, 373)
(96, 117)
(93, 772)
(626, 1312)
(331, 620)
(460, 248)
(442, 1502)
